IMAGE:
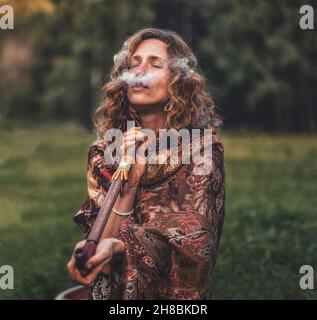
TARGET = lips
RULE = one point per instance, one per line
(139, 85)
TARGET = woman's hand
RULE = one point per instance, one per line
(137, 169)
(98, 263)
(125, 202)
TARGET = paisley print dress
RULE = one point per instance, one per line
(171, 240)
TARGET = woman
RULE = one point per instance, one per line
(161, 240)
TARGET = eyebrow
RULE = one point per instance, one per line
(152, 57)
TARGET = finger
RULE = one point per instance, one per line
(128, 144)
(137, 136)
(79, 245)
(130, 135)
(73, 272)
(71, 264)
(133, 140)
(79, 278)
(104, 255)
(70, 267)
(133, 129)
(94, 273)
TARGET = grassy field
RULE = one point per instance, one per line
(269, 232)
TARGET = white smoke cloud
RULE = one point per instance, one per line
(132, 78)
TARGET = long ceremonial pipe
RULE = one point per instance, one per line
(82, 254)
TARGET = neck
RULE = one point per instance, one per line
(152, 117)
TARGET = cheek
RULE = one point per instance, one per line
(160, 87)
(161, 93)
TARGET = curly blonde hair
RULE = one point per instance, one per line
(190, 103)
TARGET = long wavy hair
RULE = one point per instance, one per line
(190, 103)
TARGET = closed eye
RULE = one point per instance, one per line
(134, 65)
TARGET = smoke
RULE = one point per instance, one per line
(120, 56)
(184, 63)
(132, 78)
(184, 66)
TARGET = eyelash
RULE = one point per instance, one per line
(155, 66)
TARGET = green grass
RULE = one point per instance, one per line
(269, 231)
(42, 184)
(271, 208)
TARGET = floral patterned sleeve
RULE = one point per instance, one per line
(98, 182)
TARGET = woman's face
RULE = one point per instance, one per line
(150, 57)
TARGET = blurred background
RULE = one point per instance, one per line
(261, 69)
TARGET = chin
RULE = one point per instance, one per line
(143, 103)
(141, 100)
(144, 100)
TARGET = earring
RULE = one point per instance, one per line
(168, 107)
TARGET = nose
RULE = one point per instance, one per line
(141, 68)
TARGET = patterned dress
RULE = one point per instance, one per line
(171, 240)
